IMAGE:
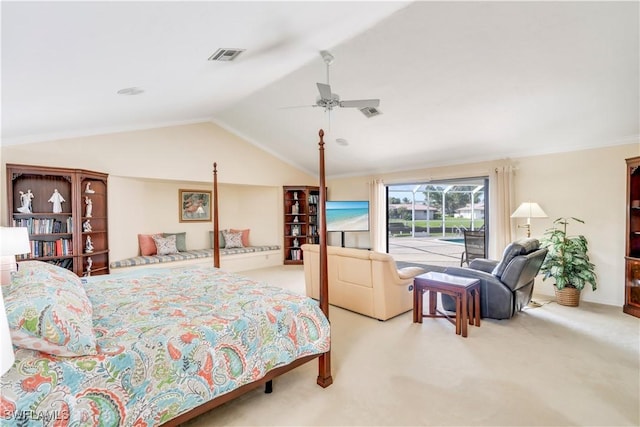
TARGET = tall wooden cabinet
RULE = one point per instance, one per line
(632, 252)
(65, 211)
(300, 220)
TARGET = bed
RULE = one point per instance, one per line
(154, 346)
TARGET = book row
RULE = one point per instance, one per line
(41, 248)
(44, 225)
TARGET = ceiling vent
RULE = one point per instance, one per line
(370, 112)
(225, 54)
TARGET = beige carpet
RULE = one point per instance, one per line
(548, 366)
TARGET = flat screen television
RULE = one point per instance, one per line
(347, 215)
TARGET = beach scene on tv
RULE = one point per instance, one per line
(347, 216)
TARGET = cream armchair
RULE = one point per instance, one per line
(366, 282)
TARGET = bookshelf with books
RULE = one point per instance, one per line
(300, 220)
(51, 203)
(632, 239)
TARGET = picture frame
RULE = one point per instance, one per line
(194, 205)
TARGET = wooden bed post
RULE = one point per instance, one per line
(324, 362)
(216, 236)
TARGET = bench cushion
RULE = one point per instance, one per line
(187, 255)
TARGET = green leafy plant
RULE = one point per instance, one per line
(567, 261)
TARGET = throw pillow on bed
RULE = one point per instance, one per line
(166, 245)
(49, 311)
(232, 239)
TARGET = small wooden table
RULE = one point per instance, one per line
(465, 291)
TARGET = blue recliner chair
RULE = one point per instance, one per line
(505, 286)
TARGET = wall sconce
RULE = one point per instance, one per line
(528, 210)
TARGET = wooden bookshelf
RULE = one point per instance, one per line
(57, 217)
(300, 220)
(632, 240)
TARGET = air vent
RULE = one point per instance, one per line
(225, 54)
(370, 111)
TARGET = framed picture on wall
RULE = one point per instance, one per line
(195, 205)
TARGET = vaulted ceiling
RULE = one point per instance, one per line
(457, 81)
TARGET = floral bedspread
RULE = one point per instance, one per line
(168, 340)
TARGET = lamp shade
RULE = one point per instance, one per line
(529, 210)
(6, 347)
(14, 241)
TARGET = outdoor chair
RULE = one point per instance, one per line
(506, 285)
(474, 246)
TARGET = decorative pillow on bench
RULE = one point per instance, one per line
(232, 239)
(220, 239)
(147, 245)
(181, 240)
(245, 235)
(166, 245)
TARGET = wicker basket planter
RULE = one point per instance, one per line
(568, 296)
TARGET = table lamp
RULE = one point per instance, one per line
(528, 210)
(13, 241)
(6, 347)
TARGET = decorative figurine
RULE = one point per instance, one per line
(295, 219)
(295, 230)
(295, 195)
(88, 247)
(296, 243)
(86, 226)
(88, 189)
(57, 200)
(89, 203)
(25, 200)
(295, 209)
(89, 265)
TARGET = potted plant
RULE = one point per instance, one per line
(567, 262)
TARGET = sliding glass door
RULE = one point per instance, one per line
(426, 220)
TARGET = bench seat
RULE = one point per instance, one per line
(196, 254)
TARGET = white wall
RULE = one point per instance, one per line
(587, 184)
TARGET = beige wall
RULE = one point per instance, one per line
(152, 207)
(588, 184)
(146, 169)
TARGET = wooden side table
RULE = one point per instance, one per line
(465, 291)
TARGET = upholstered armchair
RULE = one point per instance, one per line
(506, 285)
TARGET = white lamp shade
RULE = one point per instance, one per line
(6, 347)
(529, 210)
(14, 241)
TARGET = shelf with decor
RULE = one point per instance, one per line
(54, 204)
(300, 220)
(632, 239)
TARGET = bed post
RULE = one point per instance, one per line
(324, 362)
(216, 236)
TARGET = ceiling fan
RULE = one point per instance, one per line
(329, 100)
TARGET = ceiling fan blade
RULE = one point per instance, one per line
(325, 91)
(360, 103)
(296, 106)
